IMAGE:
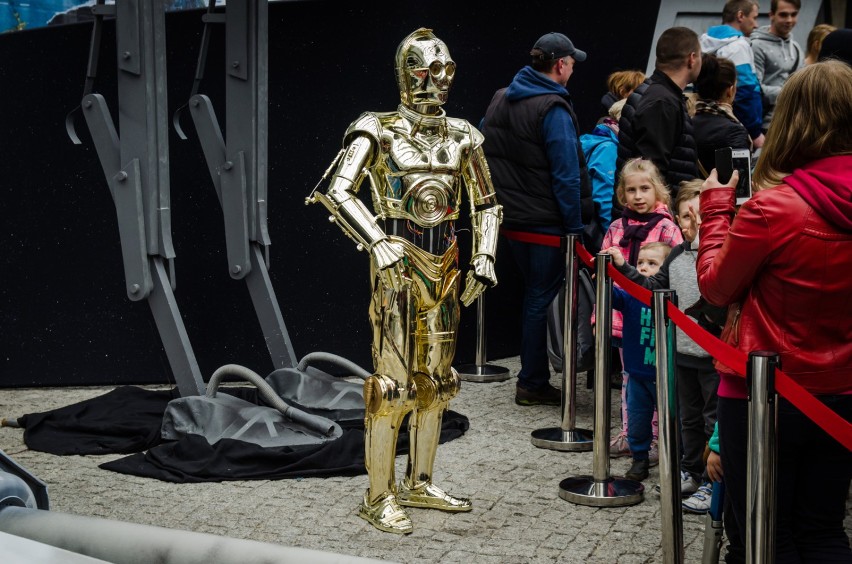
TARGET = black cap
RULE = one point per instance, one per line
(556, 45)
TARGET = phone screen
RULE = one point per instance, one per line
(742, 164)
(728, 160)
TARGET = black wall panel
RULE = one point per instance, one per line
(64, 316)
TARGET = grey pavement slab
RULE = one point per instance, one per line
(518, 516)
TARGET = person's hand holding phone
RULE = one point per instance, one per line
(712, 180)
(729, 160)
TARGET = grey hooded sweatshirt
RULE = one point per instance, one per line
(775, 59)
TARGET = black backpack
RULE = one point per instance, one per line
(585, 335)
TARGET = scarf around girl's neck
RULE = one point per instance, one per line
(705, 106)
(635, 235)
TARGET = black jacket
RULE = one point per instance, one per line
(655, 125)
(712, 132)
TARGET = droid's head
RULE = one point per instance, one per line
(424, 70)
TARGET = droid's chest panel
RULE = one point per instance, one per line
(420, 178)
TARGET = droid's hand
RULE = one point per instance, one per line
(480, 277)
(388, 257)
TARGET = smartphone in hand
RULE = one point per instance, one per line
(728, 159)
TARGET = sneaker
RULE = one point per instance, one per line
(699, 502)
(616, 379)
(548, 395)
(618, 446)
(688, 484)
(654, 454)
(638, 470)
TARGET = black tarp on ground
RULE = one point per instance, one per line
(127, 420)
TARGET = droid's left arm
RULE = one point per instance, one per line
(486, 215)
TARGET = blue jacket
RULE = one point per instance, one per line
(637, 335)
(725, 41)
(601, 149)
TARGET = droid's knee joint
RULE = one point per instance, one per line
(432, 390)
(384, 395)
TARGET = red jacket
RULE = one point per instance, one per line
(785, 262)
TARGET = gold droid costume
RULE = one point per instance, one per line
(416, 160)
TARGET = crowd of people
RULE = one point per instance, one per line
(770, 274)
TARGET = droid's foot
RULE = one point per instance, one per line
(386, 514)
(430, 496)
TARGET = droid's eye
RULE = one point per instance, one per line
(438, 69)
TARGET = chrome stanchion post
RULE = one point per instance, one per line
(762, 457)
(566, 437)
(713, 526)
(481, 371)
(671, 511)
(599, 489)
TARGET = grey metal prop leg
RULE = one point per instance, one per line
(173, 333)
(136, 167)
(268, 312)
(238, 169)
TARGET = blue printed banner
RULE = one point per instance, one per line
(18, 15)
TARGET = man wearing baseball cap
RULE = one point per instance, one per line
(539, 175)
(556, 45)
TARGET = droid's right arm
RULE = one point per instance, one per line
(350, 213)
(340, 199)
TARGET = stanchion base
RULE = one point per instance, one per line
(482, 373)
(555, 438)
(613, 492)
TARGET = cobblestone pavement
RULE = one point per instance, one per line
(518, 516)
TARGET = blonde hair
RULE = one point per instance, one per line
(664, 248)
(687, 190)
(815, 37)
(622, 83)
(615, 109)
(650, 170)
(656, 245)
(814, 112)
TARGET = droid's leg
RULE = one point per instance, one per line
(417, 488)
(437, 382)
(385, 409)
(389, 395)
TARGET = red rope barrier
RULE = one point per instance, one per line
(736, 360)
(536, 238)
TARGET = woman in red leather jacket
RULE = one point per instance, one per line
(783, 265)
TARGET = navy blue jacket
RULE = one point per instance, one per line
(637, 335)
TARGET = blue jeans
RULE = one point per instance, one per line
(641, 402)
(543, 271)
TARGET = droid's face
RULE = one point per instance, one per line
(425, 70)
